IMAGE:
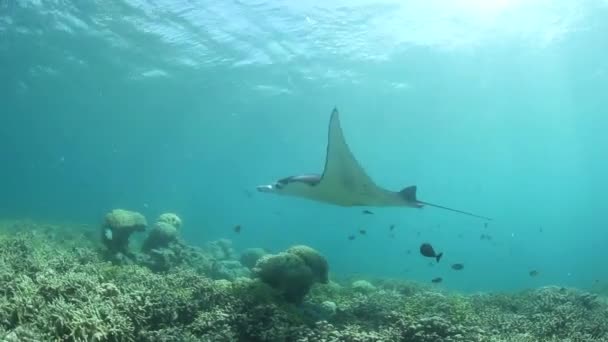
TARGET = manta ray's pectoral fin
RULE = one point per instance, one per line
(409, 195)
(342, 170)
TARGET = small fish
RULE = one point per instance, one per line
(485, 237)
(362, 231)
(437, 280)
(417, 233)
(457, 267)
(533, 273)
(427, 250)
(237, 228)
(351, 237)
(392, 227)
(392, 236)
(540, 230)
(367, 212)
(408, 252)
(485, 224)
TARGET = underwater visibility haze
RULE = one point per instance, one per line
(497, 108)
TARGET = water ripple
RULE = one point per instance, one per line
(234, 34)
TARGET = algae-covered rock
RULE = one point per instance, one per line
(118, 226)
(328, 309)
(250, 256)
(363, 286)
(171, 219)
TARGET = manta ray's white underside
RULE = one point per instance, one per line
(344, 182)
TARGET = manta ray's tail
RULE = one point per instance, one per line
(409, 194)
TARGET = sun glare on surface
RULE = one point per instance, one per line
(486, 7)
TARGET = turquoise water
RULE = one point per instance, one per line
(498, 108)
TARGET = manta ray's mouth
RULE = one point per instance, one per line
(265, 188)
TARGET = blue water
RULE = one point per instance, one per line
(494, 107)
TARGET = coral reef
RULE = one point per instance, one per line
(118, 226)
(164, 232)
(170, 218)
(161, 235)
(293, 272)
(314, 260)
(250, 256)
(548, 313)
(228, 270)
(363, 286)
(220, 249)
(52, 289)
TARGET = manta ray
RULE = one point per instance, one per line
(345, 183)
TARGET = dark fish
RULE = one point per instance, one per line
(485, 237)
(417, 233)
(485, 224)
(248, 193)
(533, 273)
(362, 231)
(457, 267)
(391, 227)
(540, 229)
(437, 280)
(408, 252)
(427, 250)
(367, 212)
(351, 237)
(237, 228)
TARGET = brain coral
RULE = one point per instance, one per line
(293, 272)
(314, 260)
